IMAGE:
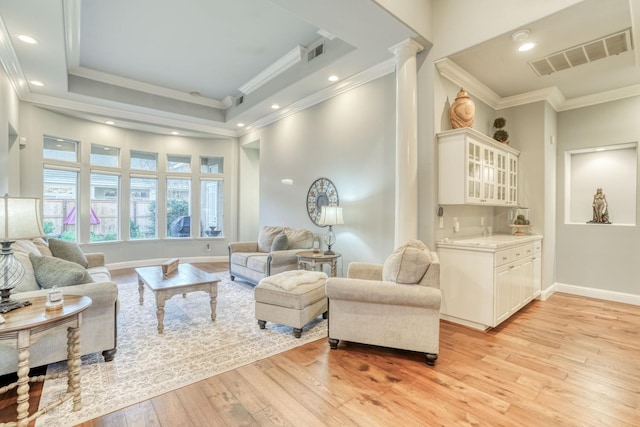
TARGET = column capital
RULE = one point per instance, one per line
(408, 47)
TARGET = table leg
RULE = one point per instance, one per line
(140, 290)
(334, 268)
(23, 378)
(73, 366)
(160, 299)
(213, 295)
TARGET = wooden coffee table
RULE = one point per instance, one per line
(184, 280)
(28, 324)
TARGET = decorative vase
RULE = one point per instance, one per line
(463, 111)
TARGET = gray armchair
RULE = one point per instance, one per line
(365, 309)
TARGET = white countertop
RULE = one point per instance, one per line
(494, 241)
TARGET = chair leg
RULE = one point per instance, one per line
(431, 358)
(325, 315)
(333, 343)
(262, 323)
(297, 332)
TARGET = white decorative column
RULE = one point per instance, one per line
(406, 209)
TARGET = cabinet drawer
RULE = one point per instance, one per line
(503, 257)
(521, 252)
(537, 246)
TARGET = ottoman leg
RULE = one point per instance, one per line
(297, 332)
(333, 343)
(325, 314)
(262, 324)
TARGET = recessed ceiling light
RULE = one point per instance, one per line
(333, 78)
(274, 106)
(59, 139)
(240, 125)
(26, 39)
(110, 122)
(526, 46)
(36, 83)
(174, 133)
(599, 149)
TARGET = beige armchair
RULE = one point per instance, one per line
(275, 251)
(366, 309)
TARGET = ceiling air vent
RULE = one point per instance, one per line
(315, 52)
(613, 44)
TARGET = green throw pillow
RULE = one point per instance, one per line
(67, 250)
(50, 272)
(280, 243)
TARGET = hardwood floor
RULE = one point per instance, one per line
(566, 361)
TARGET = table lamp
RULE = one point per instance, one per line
(19, 219)
(330, 215)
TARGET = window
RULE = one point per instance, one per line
(104, 207)
(211, 197)
(60, 149)
(178, 207)
(59, 201)
(211, 164)
(144, 161)
(143, 220)
(177, 163)
(105, 156)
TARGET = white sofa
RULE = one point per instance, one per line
(98, 331)
(254, 260)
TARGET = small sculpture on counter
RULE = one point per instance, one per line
(521, 220)
(600, 208)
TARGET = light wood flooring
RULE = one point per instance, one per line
(569, 361)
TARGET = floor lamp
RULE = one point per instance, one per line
(19, 219)
(330, 215)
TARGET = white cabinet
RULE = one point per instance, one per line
(475, 169)
(486, 280)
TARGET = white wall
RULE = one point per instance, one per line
(36, 122)
(9, 140)
(248, 218)
(350, 140)
(597, 256)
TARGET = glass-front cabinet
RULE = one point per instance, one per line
(475, 169)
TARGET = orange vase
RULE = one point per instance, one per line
(463, 111)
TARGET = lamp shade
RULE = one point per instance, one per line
(20, 218)
(331, 215)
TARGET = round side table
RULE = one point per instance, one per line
(311, 259)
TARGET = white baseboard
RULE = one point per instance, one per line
(148, 262)
(603, 294)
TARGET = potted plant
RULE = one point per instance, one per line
(500, 134)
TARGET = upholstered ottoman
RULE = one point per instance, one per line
(292, 298)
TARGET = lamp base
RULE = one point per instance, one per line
(329, 252)
(10, 304)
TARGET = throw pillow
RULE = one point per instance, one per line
(266, 236)
(50, 272)
(299, 238)
(69, 251)
(42, 246)
(280, 243)
(407, 264)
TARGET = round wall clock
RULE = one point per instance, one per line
(321, 193)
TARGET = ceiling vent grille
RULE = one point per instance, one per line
(613, 44)
(315, 52)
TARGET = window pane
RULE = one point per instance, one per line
(104, 207)
(60, 149)
(59, 201)
(178, 208)
(178, 163)
(105, 156)
(144, 161)
(211, 164)
(212, 208)
(142, 224)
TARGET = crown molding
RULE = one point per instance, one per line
(11, 64)
(287, 61)
(451, 71)
(372, 73)
(126, 113)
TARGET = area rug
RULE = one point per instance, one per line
(191, 349)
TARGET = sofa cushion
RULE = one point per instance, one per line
(266, 236)
(407, 264)
(280, 243)
(69, 251)
(299, 238)
(51, 271)
(99, 274)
